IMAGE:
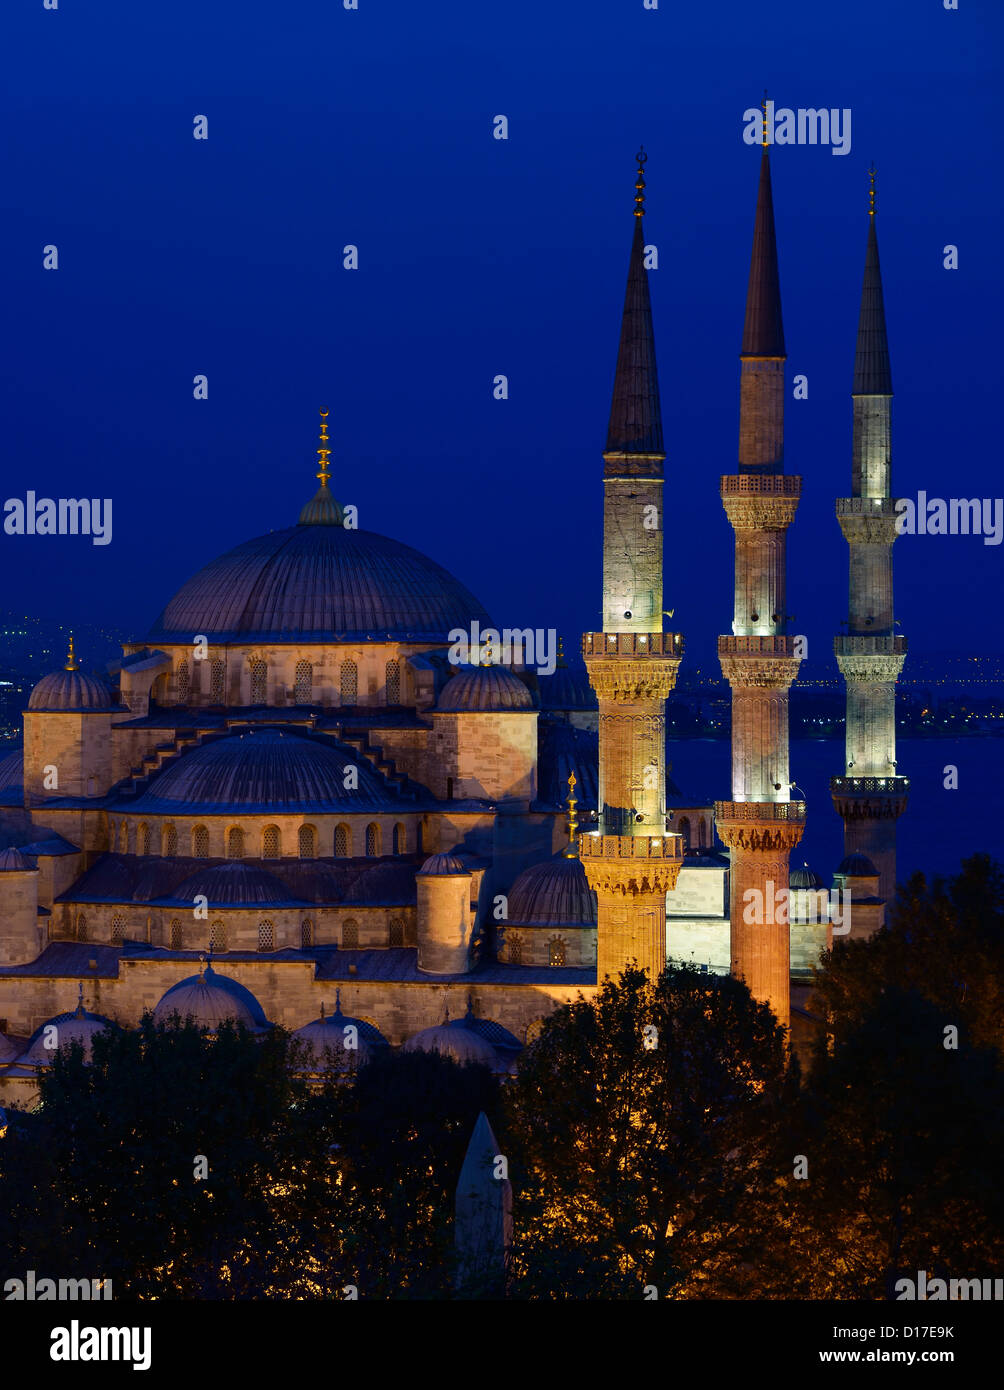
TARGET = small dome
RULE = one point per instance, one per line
(264, 771)
(70, 690)
(857, 865)
(78, 1026)
(233, 885)
(447, 863)
(324, 1040)
(805, 878)
(208, 999)
(13, 861)
(460, 1043)
(555, 893)
(481, 689)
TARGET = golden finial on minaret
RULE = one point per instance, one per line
(572, 851)
(639, 197)
(764, 106)
(871, 189)
(71, 660)
(561, 652)
(324, 451)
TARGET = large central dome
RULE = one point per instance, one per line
(319, 582)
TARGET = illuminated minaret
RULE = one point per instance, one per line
(761, 824)
(870, 796)
(631, 862)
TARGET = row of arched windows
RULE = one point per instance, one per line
(303, 682)
(237, 841)
(702, 833)
(266, 934)
(557, 950)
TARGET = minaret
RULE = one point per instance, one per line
(761, 825)
(870, 796)
(630, 861)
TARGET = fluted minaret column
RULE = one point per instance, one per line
(871, 794)
(631, 862)
(761, 824)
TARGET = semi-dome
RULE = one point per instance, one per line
(265, 770)
(208, 1000)
(76, 1026)
(319, 581)
(324, 1040)
(483, 689)
(460, 1043)
(555, 893)
(234, 885)
(857, 865)
(448, 862)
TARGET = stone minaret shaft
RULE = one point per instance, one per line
(761, 824)
(631, 862)
(870, 795)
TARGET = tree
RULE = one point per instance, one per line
(944, 940)
(646, 1128)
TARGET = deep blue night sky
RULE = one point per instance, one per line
(478, 257)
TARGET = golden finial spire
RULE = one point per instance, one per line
(561, 651)
(572, 851)
(763, 104)
(871, 189)
(71, 660)
(639, 197)
(324, 451)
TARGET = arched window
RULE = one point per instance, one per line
(306, 934)
(308, 842)
(124, 837)
(81, 931)
(266, 936)
(349, 685)
(515, 948)
(393, 682)
(184, 682)
(217, 937)
(217, 682)
(343, 842)
(556, 951)
(702, 833)
(143, 846)
(270, 845)
(400, 840)
(303, 683)
(169, 840)
(373, 840)
(118, 930)
(200, 842)
(685, 831)
(177, 935)
(235, 842)
(350, 934)
(259, 682)
(396, 932)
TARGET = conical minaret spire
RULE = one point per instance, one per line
(635, 415)
(870, 796)
(761, 824)
(632, 663)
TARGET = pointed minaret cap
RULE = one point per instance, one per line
(635, 415)
(322, 509)
(763, 331)
(872, 372)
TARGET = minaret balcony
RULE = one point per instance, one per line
(631, 865)
(632, 644)
(760, 827)
(760, 485)
(864, 644)
(869, 786)
(632, 667)
(868, 520)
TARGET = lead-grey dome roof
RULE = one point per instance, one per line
(208, 999)
(555, 893)
(265, 770)
(233, 885)
(70, 690)
(74, 1026)
(319, 582)
(484, 688)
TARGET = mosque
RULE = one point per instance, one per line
(287, 801)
